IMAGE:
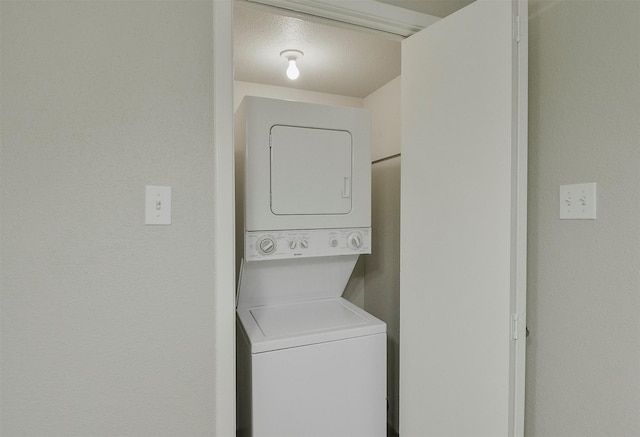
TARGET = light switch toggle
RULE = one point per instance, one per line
(157, 205)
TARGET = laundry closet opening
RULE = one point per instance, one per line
(345, 66)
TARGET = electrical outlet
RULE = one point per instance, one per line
(578, 201)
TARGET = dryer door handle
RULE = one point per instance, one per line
(346, 187)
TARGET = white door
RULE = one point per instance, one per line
(463, 224)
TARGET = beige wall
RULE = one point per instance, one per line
(107, 324)
(583, 354)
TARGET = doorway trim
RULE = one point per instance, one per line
(224, 221)
(371, 15)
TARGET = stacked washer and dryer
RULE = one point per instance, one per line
(309, 362)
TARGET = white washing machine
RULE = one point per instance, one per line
(309, 363)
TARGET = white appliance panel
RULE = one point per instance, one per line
(305, 243)
(310, 171)
(277, 282)
(333, 389)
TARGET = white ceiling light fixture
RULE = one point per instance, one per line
(292, 57)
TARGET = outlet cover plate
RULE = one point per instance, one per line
(578, 201)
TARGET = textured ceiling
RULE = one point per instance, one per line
(337, 59)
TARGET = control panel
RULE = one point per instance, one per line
(262, 245)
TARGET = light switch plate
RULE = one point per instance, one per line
(157, 209)
(578, 201)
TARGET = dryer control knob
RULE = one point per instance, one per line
(292, 244)
(267, 245)
(304, 243)
(355, 240)
(333, 242)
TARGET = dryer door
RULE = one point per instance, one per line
(306, 166)
(310, 171)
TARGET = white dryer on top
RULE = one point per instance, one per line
(307, 179)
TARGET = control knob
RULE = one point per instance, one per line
(354, 240)
(267, 245)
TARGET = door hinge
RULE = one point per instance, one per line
(516, 28)
(514, 326)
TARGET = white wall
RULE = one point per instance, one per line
(107, 324)
(382, 267)
(583, 356)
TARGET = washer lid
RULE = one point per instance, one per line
(304, 317)
(299, 324)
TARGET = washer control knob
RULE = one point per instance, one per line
(267, 245)
(333, 242)
(304, 243)
(292, 244)
(354, 240)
